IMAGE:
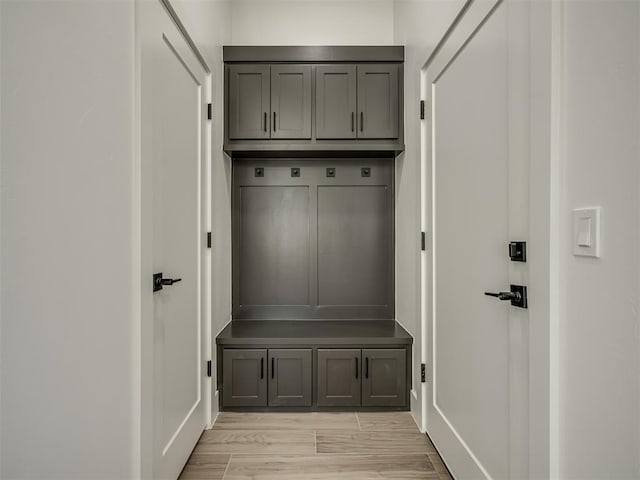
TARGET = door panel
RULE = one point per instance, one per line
(244, 378)
(336, 101)
(378, 101)
(290, 377)
(291, 101)
(384, 381)
(173, 157)
(477, 126)
(339, 377)
(249, 102)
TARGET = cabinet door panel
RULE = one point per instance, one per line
(378, 101)
(290, 377)
(384, 378)
(249, 102)
(244, 378)
(291, 101)
(339, 377)
(336, 101)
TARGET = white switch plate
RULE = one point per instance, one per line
(586, 232)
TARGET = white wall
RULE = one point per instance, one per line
(418, 25)
(65, 210)
(599, 324)
(312, 22)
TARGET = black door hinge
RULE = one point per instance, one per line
(421, 109)
(208, 239)
(208, 368)
(209, 114)
(423, 373)
(423, 241)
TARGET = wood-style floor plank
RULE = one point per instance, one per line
(257, 441)
(331, 467)
(286, 421)
(205, 467)
(389, 442)
(387, 421)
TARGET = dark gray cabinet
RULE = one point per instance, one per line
(378, 101)
(336, 101)
(357, 101)
(249, 102)
(244, 374)
(384, 379)
(290, 377)
(339, 377)
(291, 101)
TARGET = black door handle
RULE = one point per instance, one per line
(273, 368)
(517, 295)
(353, 114)
(274, 121)
(159, 281)
(265, 121)
(362, 121)
(504, 295)
(366, 367)
(356, 367)
(261, 368)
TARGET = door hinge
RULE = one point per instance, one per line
(423, 241)
(421, 109)
(423, 373)
(208, 239)
(209, 113)
(208, 368)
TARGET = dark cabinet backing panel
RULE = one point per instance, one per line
(313, 238)
(249, 102)
(378, 100)
(384, 380)
(274, 245)
(290, 376)
(353, 243)
(291, 101)
(244, 378)
(336, 101)
(339, 377)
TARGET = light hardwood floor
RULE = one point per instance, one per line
(314, 446)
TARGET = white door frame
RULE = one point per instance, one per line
(143, 338)
(545, 150)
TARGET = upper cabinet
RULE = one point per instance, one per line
(313, 99)
(249, 102)
(378, 101)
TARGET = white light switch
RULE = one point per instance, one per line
(586, 232)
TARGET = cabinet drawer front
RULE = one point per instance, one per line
(384, 379)
(244, 378)
(339, 377)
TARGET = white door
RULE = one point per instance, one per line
(477, 135)
(173, 151)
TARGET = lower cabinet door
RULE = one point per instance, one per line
(339, 377)
(384, 381)
(290, 377)
(244, 378)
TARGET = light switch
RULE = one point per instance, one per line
(586, 232)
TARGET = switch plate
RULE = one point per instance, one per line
(586, 232)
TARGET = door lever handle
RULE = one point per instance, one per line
(170, 281)
(504, 295)
(517, 296)
(159, 281)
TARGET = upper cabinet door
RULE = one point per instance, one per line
(336, 101)
(291, 101)
(378, 101)
(249, 102)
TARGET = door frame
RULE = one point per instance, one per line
(142, 296)
(545, 129)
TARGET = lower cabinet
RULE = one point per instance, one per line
(261, 377)
(346, 377)
(362, 377)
